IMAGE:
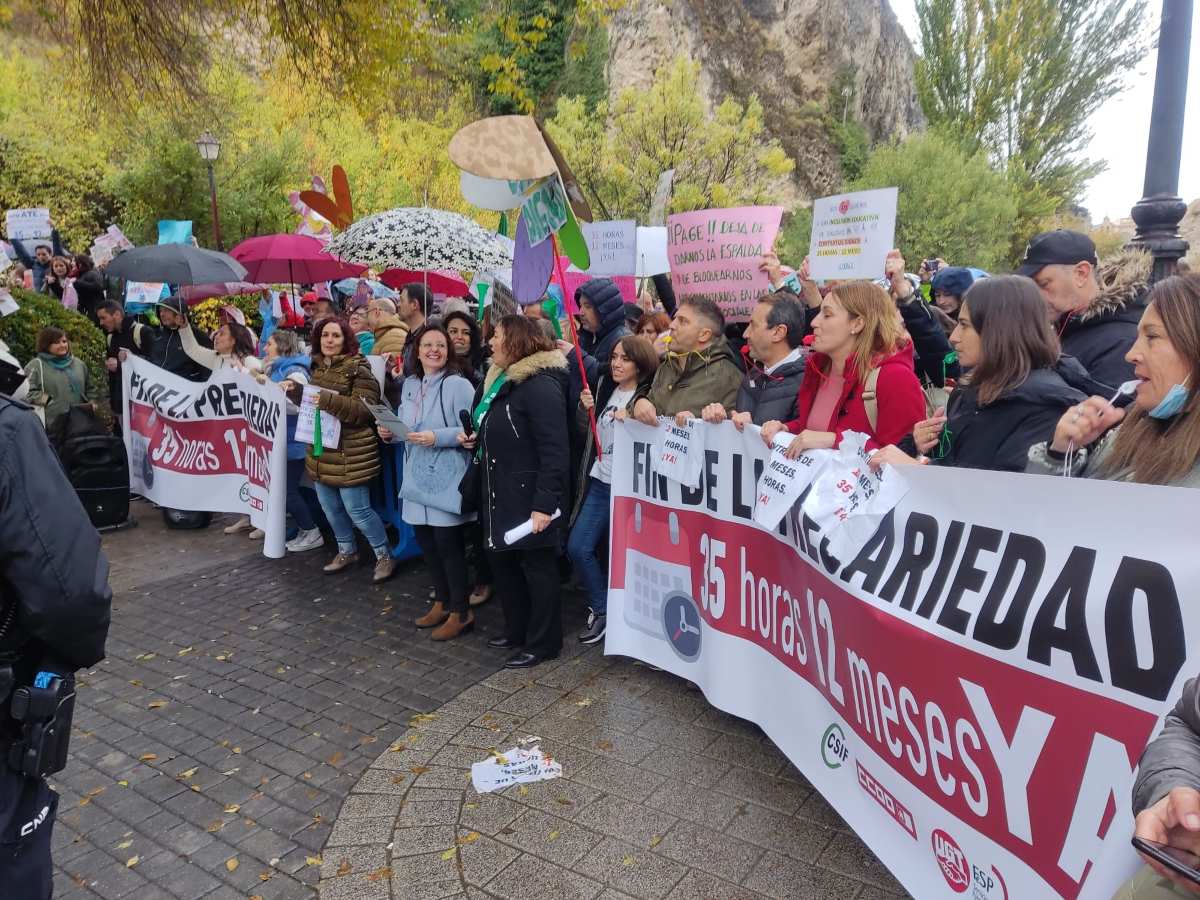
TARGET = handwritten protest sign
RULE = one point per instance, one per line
(715, 253)
(852, 234)
(306, 421)
(612, 246)
(783, 480)
(546, 209)
(141, 295)
(680, 451)
(28, 224)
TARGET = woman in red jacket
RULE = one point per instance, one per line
(859, 347)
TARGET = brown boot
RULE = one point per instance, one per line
(385, 568)
(341, 562)
(436, 616)
(455, 625)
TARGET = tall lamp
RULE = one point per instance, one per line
(210, 149)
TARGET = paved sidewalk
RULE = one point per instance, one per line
(662, 796)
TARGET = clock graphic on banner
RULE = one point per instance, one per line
(681, 624)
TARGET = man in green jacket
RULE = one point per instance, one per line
(699, 367)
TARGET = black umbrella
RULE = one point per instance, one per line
(176, 264)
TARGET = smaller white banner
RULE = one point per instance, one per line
(680, 451)
(612, 247)
(852, 234)
(28, 224)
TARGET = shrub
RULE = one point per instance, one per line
(20, 331)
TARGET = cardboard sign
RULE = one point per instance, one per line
(545, 209)
(28, 224)
(140, 295)
(715, 253)
(852, 234)
(613, 247)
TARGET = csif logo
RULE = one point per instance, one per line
(244, 492)
(834, 749)
(952, 860)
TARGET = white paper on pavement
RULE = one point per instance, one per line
(518, 766)
(783, 480)
(680, 451)
(331, 426)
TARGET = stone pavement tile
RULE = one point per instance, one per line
(870, 892)
(530, 878)
(778, 876)
(689, 738)
(847, 854)
(702, 886)
(817, 809)
(346, 860)
(716, 853)
(439, 812)
(765, 790)
(637, 872)
(630, 782)
(357, 886)
(549, 837)
(801, 839)
(422, 839)
(425, 867)
(488, 813)
(627, 821)
(348, 832)
(370, 806)
(727, 723)
(696, 804)
(747, 752)
(530, 701)
(481, 857)
(615, 745)
(559, 796)
(686, 767)
(384, 781)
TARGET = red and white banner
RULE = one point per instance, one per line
(970, 689)
(215, 446)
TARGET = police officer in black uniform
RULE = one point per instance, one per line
(54, 613)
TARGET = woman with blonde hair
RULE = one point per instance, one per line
(859, 376)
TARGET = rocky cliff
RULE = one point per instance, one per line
(789, 53)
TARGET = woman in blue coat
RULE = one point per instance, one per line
(432, 398)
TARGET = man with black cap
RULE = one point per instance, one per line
(167, 350)
(1096, 310)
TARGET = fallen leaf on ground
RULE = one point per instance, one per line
(449, 854)
(145, 657)
(399, 779)
(187, 773)
(214, 827)
(264, 876)
(232, 808)
(231, 864)
(336, 758)
(418, 770)
(132, 861)
(656, 840)
(627, 861)
(136, 682)
(156, 704)
(148, 757)
(523, 791)
(345, 868)
(312, 860)
(469, 838)
(123, 783)
(553, 836)
(604, 745)
(124, 845)
(586, 701)
(184, 652)
(380, 874)
(563, 801)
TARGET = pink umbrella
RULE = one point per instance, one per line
(291, 259)
(439, 282)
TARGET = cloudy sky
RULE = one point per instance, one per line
(1120, 128)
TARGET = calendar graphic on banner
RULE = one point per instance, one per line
(652, 581)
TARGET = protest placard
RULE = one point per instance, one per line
(306, 421)
(613, 247)
(652, 251)
(545, 210)
(28, 224)
(715, 253)
(852, 234)
(141, 295)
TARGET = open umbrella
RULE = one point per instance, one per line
(423, 240)
(290, 258)
(439, 282)
(176, 264)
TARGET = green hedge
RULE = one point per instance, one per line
(20, 331)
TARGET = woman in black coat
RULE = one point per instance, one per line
(520, 421)
(1017, 388)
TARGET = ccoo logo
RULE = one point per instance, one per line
(952, 861)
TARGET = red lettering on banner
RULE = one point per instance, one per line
(203, 446)
(885, 798)
(1030, 762)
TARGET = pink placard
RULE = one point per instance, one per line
(715, 253)
(626, 284)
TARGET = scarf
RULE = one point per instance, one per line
(65, 365)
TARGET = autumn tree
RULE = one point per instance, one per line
(720, 158)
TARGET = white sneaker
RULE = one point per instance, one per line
(242, 524)
(306, 540)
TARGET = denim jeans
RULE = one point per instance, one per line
(591, 527)
(348, 507)
(297, 508)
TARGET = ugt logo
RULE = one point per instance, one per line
(834, 749)
(952, 861)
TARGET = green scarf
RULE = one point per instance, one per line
(485, 402)
(59, 362)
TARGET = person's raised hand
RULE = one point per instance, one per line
(645, 412)
(1084, 423)
(586, 400)
(928, 432)
(741, 420)
(122, 355)
(890, 455)
(1175, 821)
(770, 264)
(714, 414)
(805, 271)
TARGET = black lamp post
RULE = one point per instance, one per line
(210, 149)
(1160, 210)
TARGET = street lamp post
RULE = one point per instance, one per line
(210, 148)
(1160, 210)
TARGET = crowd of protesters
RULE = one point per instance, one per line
(1067, 367)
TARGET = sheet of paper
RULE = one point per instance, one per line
(680, 451)
(783, 480)
(852, 234)
(331, 426)
(384, 416)
(517, 766)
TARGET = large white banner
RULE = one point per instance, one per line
(970, 685)
(215, 446)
